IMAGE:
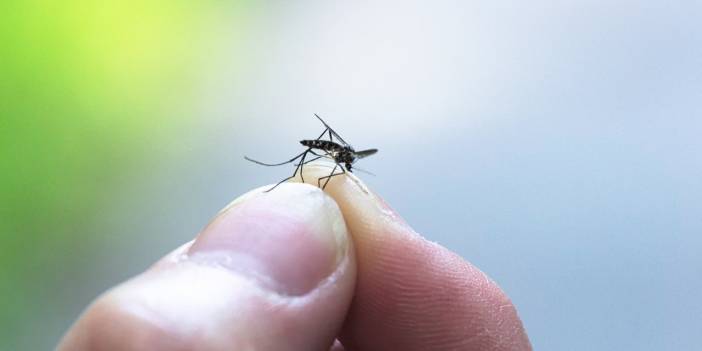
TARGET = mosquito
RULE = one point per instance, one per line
(343, 155)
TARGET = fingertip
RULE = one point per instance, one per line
(272, 271)
(288, 239)
(412, 294)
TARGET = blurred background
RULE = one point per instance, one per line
(556, 145)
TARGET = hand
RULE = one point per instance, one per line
(285, 270)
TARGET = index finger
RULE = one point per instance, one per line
(412, 294)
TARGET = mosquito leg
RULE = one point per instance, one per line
(330, 177)
(321, 135)
(280, 182)
(331, 131)
(312, 160)
(324, 132)
(328, 155)
(319, 180)
(277, 164)
(343, 171)
(298, 168)
(302, 163)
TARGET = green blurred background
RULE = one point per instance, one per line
(555, 145)
(91, 94)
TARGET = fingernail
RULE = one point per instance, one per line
(288, 240)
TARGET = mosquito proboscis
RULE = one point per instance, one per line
(343, 155)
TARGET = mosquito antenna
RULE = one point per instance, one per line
(310, 161)
(275, 164)
(331, 130)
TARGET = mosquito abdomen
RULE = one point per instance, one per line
(322, 145)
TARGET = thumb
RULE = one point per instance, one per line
(273, 271)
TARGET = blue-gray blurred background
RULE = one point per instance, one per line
(554, 144)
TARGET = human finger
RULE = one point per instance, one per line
(412, 294)
(273, 271)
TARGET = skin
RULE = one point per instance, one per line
(301, 269)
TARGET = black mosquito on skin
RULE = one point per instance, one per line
(343, 155)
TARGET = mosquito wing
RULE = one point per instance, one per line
(365, 153)
(331, 130)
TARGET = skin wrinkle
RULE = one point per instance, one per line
(454, 294)
(233, 260)
(432, 299)
(185, 304)
(437, 298)
(264, 211)
(289, 300)
(409, 294)
(145, 334)
(286, 309)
